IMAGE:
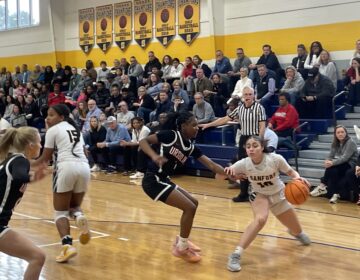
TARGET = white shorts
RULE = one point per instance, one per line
(71, 176)
(277, 201)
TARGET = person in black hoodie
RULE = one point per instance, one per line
(153, 62)
(271, 62)
(145, 105)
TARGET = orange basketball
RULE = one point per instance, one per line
(296, 192)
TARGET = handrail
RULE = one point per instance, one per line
(296, 144)
(333, 106)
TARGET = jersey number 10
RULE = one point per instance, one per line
(74, 135)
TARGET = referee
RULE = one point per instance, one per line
(252, 119)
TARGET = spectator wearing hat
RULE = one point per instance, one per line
(115, 134)
(315, 97)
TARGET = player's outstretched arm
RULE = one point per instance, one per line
(145, 146)
(213, 166)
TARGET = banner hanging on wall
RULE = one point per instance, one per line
(189, 19)
(86, 29)
(165, 21)
(104, 26)
(123, 24)
(143, 21)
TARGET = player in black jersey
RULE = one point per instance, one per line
(173, 148)
(15, 174)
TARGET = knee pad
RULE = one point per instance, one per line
(61, 214)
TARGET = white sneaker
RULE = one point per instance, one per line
(334, 199)
(137, 175)
(357, 131)
(95, 168)
(318, 191)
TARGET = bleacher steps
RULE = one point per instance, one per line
(314, 154)
(320, 145)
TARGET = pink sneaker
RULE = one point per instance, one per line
(191, 245)
(188, 254)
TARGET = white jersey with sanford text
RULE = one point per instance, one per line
(264, 177)
(61, 137)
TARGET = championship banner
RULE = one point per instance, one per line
(189, 19)
(165, 21)
(104, 24)
(143, 21)
(123, 24)
(86, 29)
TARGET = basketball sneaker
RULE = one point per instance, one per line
(188, 254)
(67, 252)
(137, 175)
(234, 262)
(335, 198)
(82, 224)
(358, 202)
(191, 245)
(357, 131)
(319, 190)
(95, 168)
(302, 238)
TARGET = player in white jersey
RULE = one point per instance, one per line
(266, 194)
(71, 176)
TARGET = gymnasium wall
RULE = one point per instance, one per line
(224, 25)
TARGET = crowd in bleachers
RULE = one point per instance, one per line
(132, 101)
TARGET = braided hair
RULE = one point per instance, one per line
(175, 120)
(63, 110)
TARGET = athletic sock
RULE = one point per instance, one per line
(182, 243)
(239, 250)
(66, 240)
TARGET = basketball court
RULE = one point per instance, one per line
(132, 236)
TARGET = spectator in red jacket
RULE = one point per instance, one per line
(285, 119)
(56, 97)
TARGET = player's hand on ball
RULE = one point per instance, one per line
(303, 180)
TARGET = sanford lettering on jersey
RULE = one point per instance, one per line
(263, 178)
(178, 154)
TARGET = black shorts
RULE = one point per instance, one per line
(157, 188)
(3, 230)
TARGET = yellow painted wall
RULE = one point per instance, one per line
(334, 37)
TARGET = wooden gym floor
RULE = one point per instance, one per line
(132, 236)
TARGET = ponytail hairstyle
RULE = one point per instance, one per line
(175, 120)
(262, 142)
(16, 140)
(63, 110)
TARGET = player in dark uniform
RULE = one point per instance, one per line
(173, 148)
(15, 174)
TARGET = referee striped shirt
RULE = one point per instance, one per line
(249, 118)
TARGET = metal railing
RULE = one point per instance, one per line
(296, 144)
(334, 111)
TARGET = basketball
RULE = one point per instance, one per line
(188, 12)
(122, 22)
(296, 192)
(143, 19)
(165, 15)
(103, 24)
(86, 27)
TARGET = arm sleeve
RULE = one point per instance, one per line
(196, 153)
(19, 169)
(271, 88)
(281, 163)
(50, 138)
(240, 166)
(350, 149)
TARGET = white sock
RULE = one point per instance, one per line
(182, 243)
(77, 214)
(239, 250)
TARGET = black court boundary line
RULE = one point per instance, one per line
(208, 228)
(224, 197)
